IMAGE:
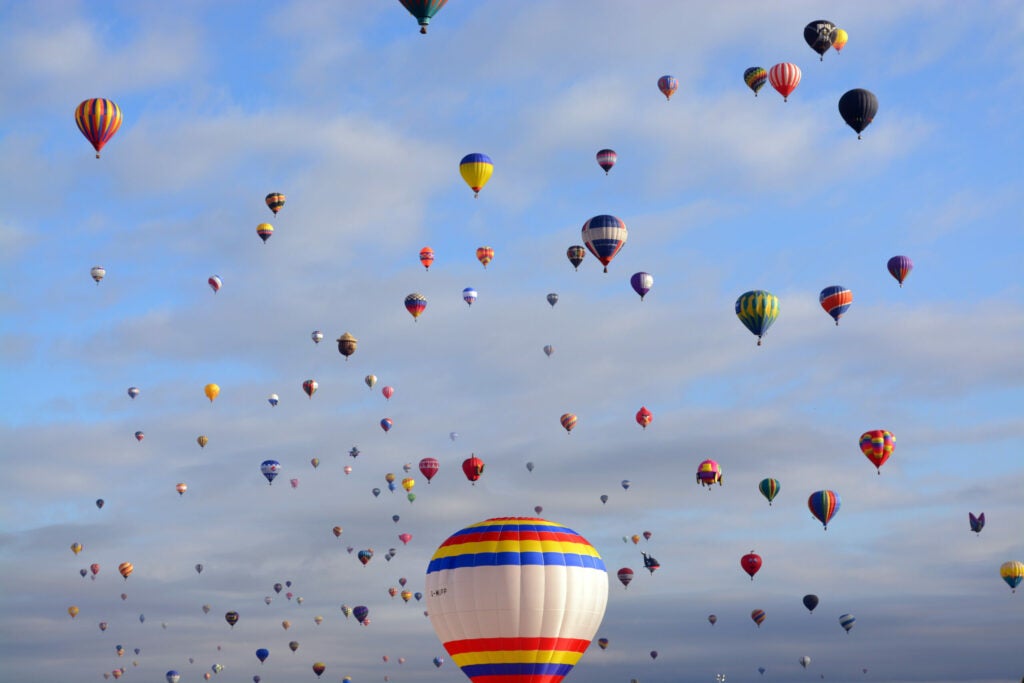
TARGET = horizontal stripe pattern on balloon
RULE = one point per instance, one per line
(836, 300)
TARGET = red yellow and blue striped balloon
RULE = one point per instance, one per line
(568, 421)
(757, 309)
(824, 505)
(98, 119)
(836, 300)
(758, 616)
(476, 170)
(604, 236)
(516, 599)
(755, 77)
(415, 303)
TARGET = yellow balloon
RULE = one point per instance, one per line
(76, 548)
(211, 391)
(73, 611)
(476, 170)
(408, 483)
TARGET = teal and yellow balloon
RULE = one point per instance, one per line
(1012, 573)
(757, 310)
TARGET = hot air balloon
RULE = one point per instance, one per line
(125, 569)
(370, 380)
(839, 39)
(604, 236)
(319, 668)
(529, 466)
(264, 230)
(824, 505)
(317, 336)
(76, 547)
(405, 538)
(278, 587)
(365, 556)
(548, 350)
(309, 387)
(473, 467)
(529, 614)
(626, 483)
(469, 295)
(133, 392)
(846, 621)
(668, 86)
(286, 624)
(139, 436)
(476, 170)
(484, 255)
(347, 346)
(877, 445)
(275, 200)
(211, 391)
(386, 424)
(73, 611)
(270, 469)
(641, 283)
(751, 563)
(387, 392)
(375, 492)
(315, 462)
(977, 523)
(654, 654)
(709, 473)
(804, 661)
(99, 503)
(438, 661)
(858, 108)
(1012, 573)
(755, 77)
(606, 159)
(202, 440)
(552, 299)
(650, 564)
(173, 676)
(215, 283)
(408, 483)
(206, 609)
(295, 485)
(262, 654)
(568, 421)
(769, 488)
(231, 618)
(429, 467)
(712, 619)
(415, 303)
(900, 267)
(181, 488)
(784, 78)
(273, 400)
(361, 613)
(423, 10)
(98, 273)
(836, 300)
(818, 35)
(575, 254)
(426, 257)
(98, 119)
(758, 616)
(757, 310)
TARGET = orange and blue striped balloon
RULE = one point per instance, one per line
(516, 599)
(98, 119)
(836, 300)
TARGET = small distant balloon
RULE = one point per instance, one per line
(900, 267)
(548, 350)
(273, 400)
(215, 283)
(469, 295)
(552, 299)
(606, 159)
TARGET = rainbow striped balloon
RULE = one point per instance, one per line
(516, 599)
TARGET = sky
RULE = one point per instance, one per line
(361, 122)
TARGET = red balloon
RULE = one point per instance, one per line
(751, 563)
(429, 467)
(473, 467)
(644, 417)
(625, 576)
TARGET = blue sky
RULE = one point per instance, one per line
(361, 122)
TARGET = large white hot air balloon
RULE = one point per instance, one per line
(516, 597)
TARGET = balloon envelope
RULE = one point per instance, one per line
(668, 86)
(604, 236)
(476, 170)
(755, 77)
(98, 119)
(516, 598)
(858, 108)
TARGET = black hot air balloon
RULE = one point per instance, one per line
(858, 108)
(818, 35)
